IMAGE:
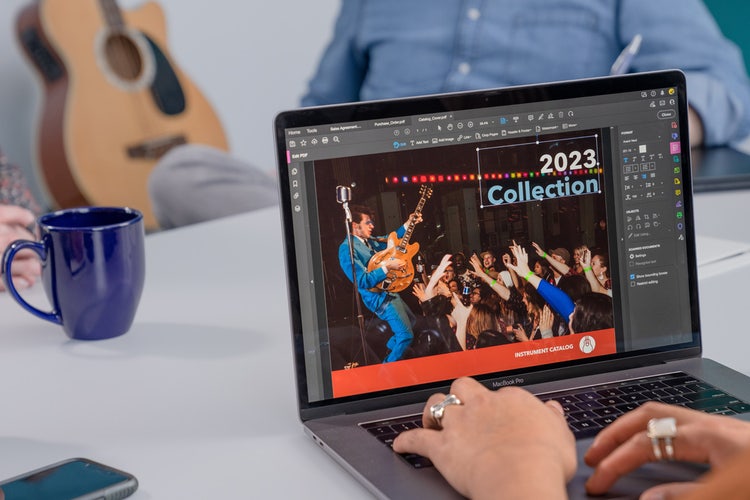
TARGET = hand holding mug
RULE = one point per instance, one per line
(93, 269)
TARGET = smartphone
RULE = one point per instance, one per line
(74, 478)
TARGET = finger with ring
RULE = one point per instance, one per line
(662, 431)
(437, 410)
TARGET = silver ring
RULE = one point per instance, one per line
(662, 431)
(438, 409)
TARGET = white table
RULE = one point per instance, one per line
(724, 282)
(198, 400)
(723, 214)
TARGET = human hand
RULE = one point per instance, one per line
(522, 260)
(519, 333)
(460, 312)
(539, 251)
(478, 270)
(439, 271)
(418, 291)
(442, 289)
(507, 260)
(623, 446)
(14, 223)
(586, 258)
(394, 264)
(546, 319)
(415, 217)
(476, 264)
(437, 274)
(487, 443)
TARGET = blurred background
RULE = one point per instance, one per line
(250, 60)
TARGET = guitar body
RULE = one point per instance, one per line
(114, 101)
(395, 281)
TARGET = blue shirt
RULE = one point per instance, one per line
(366, 279)
(396, 48)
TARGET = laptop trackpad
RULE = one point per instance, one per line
(635, 483)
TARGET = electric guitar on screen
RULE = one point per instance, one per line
(398, 280)
(114, 101)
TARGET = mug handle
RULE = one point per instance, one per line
(10, 253)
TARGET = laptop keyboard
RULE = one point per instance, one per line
(387, 430)
(588, 410)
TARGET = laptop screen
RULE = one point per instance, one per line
(586, 183)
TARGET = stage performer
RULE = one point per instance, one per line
(387, 306)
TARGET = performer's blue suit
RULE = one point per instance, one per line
(386, 305)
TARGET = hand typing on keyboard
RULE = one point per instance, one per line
(624, 446)
(493, 439)
(510, 441)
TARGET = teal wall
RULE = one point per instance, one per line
(733, 17)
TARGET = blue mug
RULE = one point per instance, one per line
(93, 268)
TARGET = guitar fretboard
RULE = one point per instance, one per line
(112, 14)
(410, 228)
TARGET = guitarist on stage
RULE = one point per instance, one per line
(387, 306)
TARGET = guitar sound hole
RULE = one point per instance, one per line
(124, 57)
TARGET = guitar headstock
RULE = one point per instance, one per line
(425, 191)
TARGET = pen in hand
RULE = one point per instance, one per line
(624, 60)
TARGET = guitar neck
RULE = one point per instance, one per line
(112, 14)
(412, 224)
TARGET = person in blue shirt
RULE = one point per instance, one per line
(387, 306)
(391, 48)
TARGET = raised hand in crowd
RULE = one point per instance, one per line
(546, 320)
(418, 291)
(560, 302)
(596, 285)
(495, 284)
(508, 262)
(432, 286)
(521, 267)
(480, 447)
(460, 313)
(560, 266)
(476, 264)
(442, 288)
(538, 249)
(577, 252)
(14, 225)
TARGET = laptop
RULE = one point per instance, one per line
(601, 162)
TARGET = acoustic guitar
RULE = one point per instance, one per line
(398, 280)
(114, 101)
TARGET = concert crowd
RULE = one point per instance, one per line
(484, 301)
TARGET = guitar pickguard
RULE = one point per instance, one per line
(165, 89)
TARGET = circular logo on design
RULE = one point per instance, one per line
(587, 344)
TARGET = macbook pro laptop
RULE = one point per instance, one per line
(599, 162)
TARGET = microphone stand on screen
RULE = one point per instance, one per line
(343, 196)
